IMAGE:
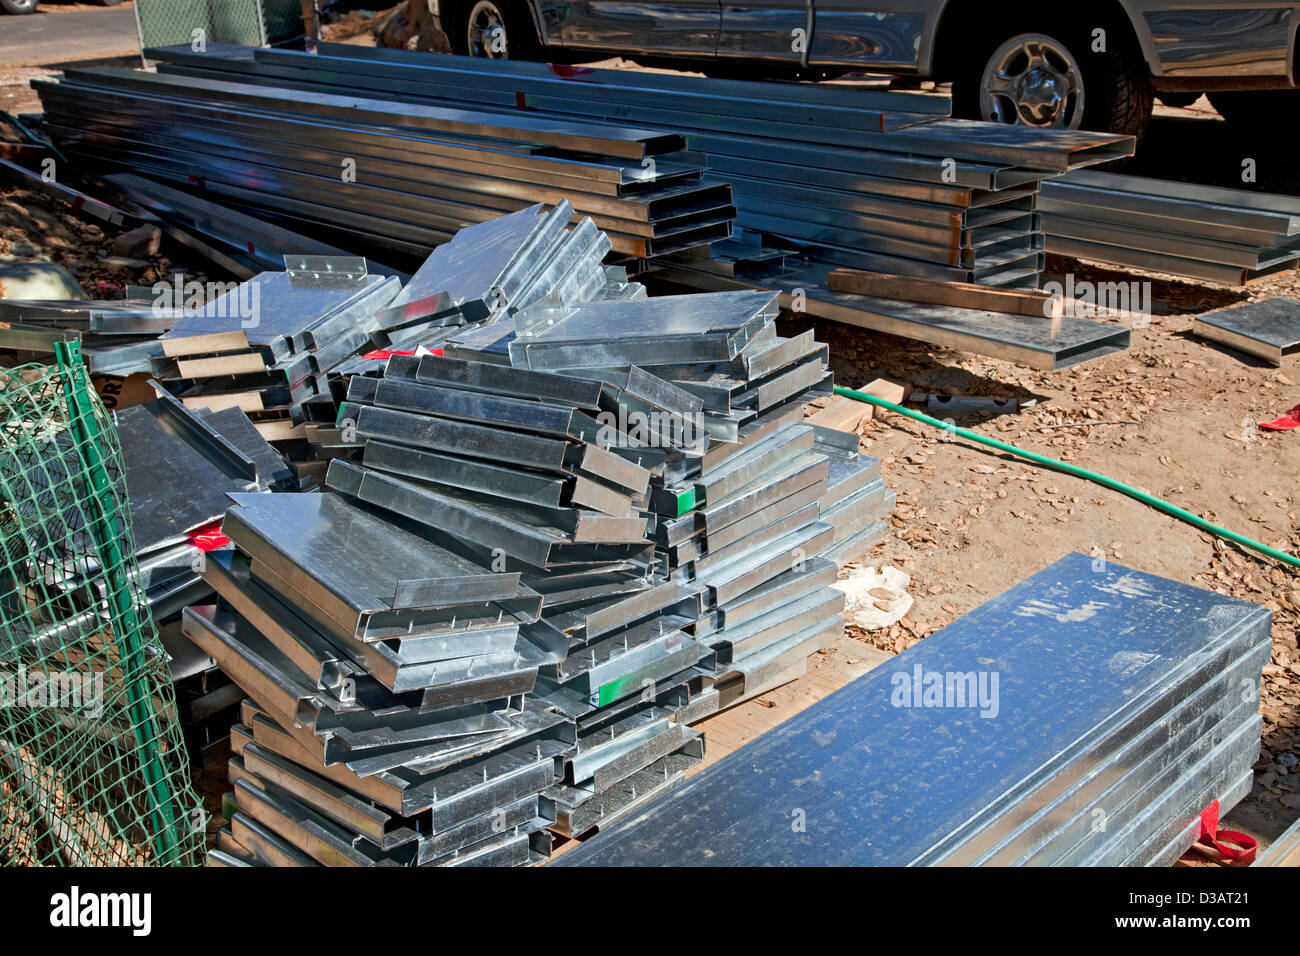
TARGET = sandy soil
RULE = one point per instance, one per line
(35, 225)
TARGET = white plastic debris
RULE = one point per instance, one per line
(875, 598)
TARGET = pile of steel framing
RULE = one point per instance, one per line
(1023, 734)
(178, 466)
(863, 178)
(1202, 232)
(487, 272)
(382, 172)
(521, 470)
(118, 336)
(388, 721)
(274, 345)
(268, 345)
(661, 529)
(939, 198)
(751, 514)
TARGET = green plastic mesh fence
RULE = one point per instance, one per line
(93, 770)
(169, 22)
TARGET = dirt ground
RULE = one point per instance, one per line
(35, 225)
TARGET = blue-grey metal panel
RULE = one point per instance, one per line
(669, 26)
(1227, 40)
(765, 30)
(850, 32)
(868, 777)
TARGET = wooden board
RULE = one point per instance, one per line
(845, 414)
(217, 366)
(180, 346)
(962, 295)
(280, 430)
(244, 401)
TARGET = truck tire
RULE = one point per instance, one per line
(1046, 74)
(18, 6)
(494, 29)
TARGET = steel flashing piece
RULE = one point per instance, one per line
(1268, 329)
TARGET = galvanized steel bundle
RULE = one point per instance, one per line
(1201, 232)
(1021, 734)
(380, 171)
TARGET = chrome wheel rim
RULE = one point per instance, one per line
(486, 31)
(1032, 80)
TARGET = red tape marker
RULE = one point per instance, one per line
(379, 355)
(1287, 422)
(1211, 835)
(209, 538)
(567, 72)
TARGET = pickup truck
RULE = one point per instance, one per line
(1096, 65)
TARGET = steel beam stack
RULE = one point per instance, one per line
(389, 722)
(1023, 734)
(669, 516)
(544, 475)
(1201, 232)
(380, 172)
(763, 511)
(824, 176)
(593, 520)
(862, 178)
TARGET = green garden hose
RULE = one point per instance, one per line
(1150, 500)
(29, 136)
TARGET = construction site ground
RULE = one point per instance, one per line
(1175, 416)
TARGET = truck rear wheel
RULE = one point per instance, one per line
(493, 29)
(1050, 76)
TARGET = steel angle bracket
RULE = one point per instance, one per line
(503, 822)
(767, 629)
(753, 568)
